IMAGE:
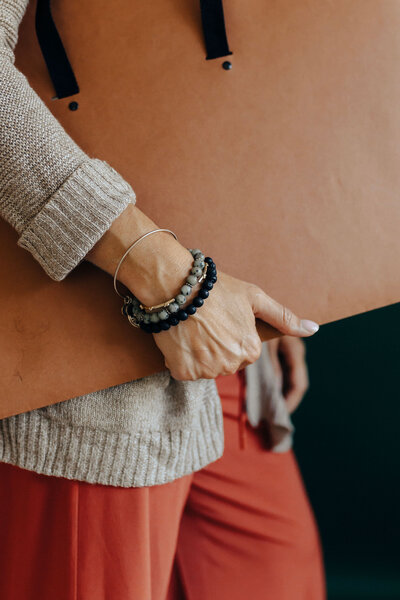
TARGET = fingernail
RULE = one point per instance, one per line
(309, 326)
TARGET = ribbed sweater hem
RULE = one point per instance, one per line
(136, 459)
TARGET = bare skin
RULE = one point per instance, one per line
(288, 359)
(221, 337)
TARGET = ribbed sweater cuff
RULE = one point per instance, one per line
(76, 216)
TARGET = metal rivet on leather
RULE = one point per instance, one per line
(73, 105)
(227, 65)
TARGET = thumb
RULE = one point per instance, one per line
(282, 318)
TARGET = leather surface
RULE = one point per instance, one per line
(285, 169)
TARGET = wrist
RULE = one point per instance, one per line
(155, 269)
(158, 272)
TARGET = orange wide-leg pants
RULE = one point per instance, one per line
(240, 528)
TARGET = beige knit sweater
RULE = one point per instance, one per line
(61, 201)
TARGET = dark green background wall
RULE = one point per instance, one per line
(348, 445)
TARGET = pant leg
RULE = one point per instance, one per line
(73, 540)
(248, 530)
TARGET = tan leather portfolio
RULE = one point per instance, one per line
(284, 165)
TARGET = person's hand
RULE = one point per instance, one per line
(221, 337)
(289, 363)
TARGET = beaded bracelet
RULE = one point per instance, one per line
(171, 313)
(184, 313)
(151, 314)
(197, 274)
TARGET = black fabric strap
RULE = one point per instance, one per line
(53, 51)
(59, 67)
(212, 16)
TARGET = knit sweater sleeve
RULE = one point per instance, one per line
(59, 199)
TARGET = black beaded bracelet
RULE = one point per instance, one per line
(190, 309)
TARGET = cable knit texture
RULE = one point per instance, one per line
(61, 201)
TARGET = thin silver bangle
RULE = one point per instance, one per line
(130, 248)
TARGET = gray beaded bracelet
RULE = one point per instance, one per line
(197, 274)
(190, 309)
(139, 314)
